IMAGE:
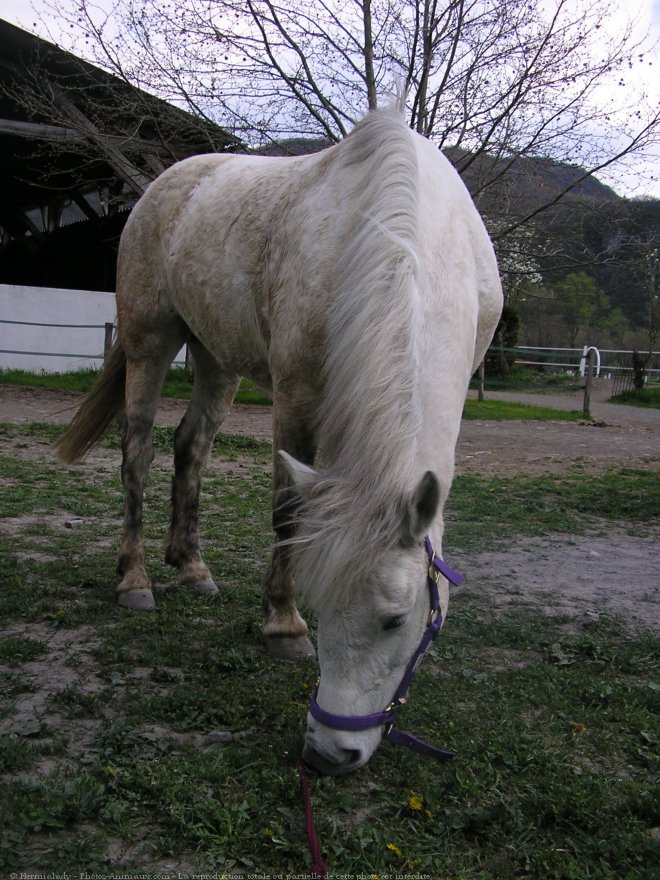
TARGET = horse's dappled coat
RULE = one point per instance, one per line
(360, 286)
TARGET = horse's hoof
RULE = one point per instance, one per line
(290, 647)
(204, 588)
(137, 600)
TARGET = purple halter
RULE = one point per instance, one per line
(437, 569)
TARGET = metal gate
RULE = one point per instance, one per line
(623, 376)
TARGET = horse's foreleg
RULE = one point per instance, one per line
(285, 630)
(212, 397)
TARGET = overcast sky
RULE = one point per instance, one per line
(28, 14)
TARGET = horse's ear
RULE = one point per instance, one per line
(420, 510)
(302, 476)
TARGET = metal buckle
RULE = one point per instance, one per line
(433, 616)
(396, 704)
(433, 572)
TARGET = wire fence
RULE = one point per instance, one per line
(504, 367)
(523, 365)
(106, 336)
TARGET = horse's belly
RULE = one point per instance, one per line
(219, 307)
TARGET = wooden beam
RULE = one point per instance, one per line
(38, 130)
(84, 205)
(18, 217)
(136, 179)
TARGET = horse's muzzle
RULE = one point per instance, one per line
(331, 759)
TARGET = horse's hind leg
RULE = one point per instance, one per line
(213, 392)
(144, 379)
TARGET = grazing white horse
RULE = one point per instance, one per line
(358, 284)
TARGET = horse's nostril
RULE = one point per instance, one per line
(337, 764)
(351, 757)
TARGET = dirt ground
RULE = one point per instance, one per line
(623, 435)
(612, 573)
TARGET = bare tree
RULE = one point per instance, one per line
(499, 77)
(646, 269)
(495, 83)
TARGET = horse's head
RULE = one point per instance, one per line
(372, 604)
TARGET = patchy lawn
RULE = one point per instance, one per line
(167, 742)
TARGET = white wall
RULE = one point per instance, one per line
(54, 349)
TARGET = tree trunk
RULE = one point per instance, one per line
(370, 79)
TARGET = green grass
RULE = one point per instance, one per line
(555, 723)
(502, 410)
(568, 503)
(16, 650)
(645, 397)
(521, 378)
(80, 380)
(178, 383)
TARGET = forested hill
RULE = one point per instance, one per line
(558, 177)
(577, 224)
(517, 184)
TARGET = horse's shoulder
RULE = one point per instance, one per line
(194, 168)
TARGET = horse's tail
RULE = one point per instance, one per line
(99, 409)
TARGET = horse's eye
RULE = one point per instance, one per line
(395, 622)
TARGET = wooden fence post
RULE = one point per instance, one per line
(482, 376)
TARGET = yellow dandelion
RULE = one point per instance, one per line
(578, 727)
(414, 802)
(393, 848)
(268, 832)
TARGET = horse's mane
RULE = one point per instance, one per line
(370, 410)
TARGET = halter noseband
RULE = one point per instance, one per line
(437, 569)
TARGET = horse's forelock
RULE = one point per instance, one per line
(342, 531)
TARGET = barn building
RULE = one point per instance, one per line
(77, 148)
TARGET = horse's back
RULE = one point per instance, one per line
(249, 250)
(196, 247)
(142, 265)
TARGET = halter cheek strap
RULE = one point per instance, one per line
(437, 569)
